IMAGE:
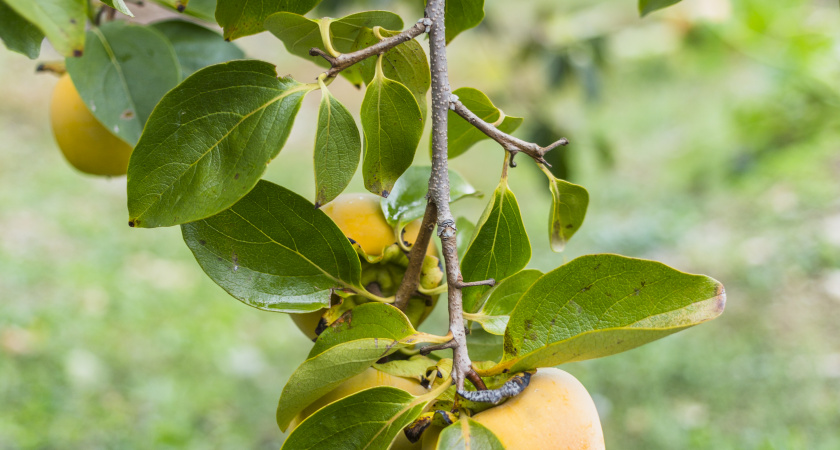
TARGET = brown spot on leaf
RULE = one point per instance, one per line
(569, 226)
(528, 324)
(202, 242)
(77, 53)
(236, 177)
(131, 223)
(127, 115)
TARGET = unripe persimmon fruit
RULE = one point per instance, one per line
(370, 378)
(85, 142)
(554, 412)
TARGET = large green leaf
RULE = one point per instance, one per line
(568, 209)
(648, 6)
(499, 247)
(370, 419)
(405, 63)
(338, 148)
(467, 434)
(345, 350)
(62, 21)
(483, 346)
(462, 15)
(462, 135)
(197, 47)
(126, 69)
(19, 34)
(300, 34)
(208, 141)
(243, 18)
(119, 5)
(274, 251)
(501, 299)
(599, 305)
(407, 201)
(392, 123)
(414, 367)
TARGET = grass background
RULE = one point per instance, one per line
(707, 137)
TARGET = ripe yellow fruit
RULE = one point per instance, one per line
(554, 411)
(85, 142)
(360, 218)
(370, 378)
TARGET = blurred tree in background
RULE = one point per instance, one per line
(706, 134)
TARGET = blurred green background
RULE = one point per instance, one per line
(706, 134)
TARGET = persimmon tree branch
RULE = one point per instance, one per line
(439, 188)
(345, 60)
(411, 279)
(512, 144)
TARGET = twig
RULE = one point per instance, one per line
(512, 144)
(439, 187)
(511, 388)
(411, 279)
(476, 380)
(460, 284)
(433, 348)
(345, 60)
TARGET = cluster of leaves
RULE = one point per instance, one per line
(205, 123)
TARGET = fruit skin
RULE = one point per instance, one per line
(554, 411)
(84, 141)
(370, 378)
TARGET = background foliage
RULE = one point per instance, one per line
(706, 136)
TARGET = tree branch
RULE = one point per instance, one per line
(511, 144)
(345, 60)
(439, 187)
(411, 279)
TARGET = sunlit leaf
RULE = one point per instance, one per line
(414, 367)
(648, 6)
(407, 201)
(501, 299)
(119, 5)
(126, 69)
(568, 209)
(599, 305)
(19, 34)
(343, 351)
(62, 21)
(243, 18)
(461, 16)
(467, 434)
(208, 141)
(499, 247)
(300, 34)
(274, 251)
(462, 135)
(392, 123)
(338, 148)
(369, 419)
(197, 47)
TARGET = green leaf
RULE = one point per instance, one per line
(568, 209)
(369, 419)
(405, 63)
(392, 123)
(599, 305)
(501, 299)
(19, 34)
(467, 434)
(202, 9)
(243, 18)
(62, 21)
(300, 34)
(274, 251)
(414, 367)
(126, 69)
(119, 5)
(499, 247)
(648, 6)
(466, 229)
(345, 350)
(462, 135)
(197, 47)
(461, 16)
(338, 148)
(407, 201)
(208, 141)
(483, 346)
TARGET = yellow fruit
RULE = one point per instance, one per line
(85, 142)
(554, 411)
(368, 379)
(360, 218)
